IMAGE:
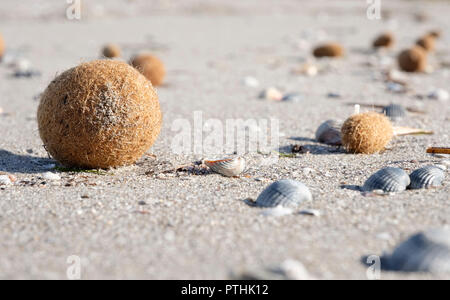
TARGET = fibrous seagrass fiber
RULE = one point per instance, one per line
(366, 133)
(99, 114)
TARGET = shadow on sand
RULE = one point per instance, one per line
(15, 163)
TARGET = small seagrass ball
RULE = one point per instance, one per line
(2, 46)
(413, 60)
(428, 43)
(329, 50)
(100, 114)
(435, 33)
(385, 40)
(151, 67)
(111, 51)
(366, 133)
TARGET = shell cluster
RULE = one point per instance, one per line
(287, 192)
(427, 251)
(392, 179)
(228, 167)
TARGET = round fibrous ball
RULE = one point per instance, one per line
(413, 60)
(427, 43)
(329, 50)
(111, 51)
(366, 133)
(100, 114)
(2, 46)
(151, 66)
(385, 40)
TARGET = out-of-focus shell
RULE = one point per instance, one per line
(388, 179)
(427, 251)
(394, 112)
(292, 97)
(271, 94)
(329, 132)
(426, 177)
(227, 167)
(287, 192)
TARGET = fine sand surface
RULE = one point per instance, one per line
(127, 223)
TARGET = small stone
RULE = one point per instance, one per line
(51, 176)
(251, 81)
(292, 97)
(439, 94)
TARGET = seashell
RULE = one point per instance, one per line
(329, 132)
(394, 112)
(271, 94)
(285, 192)
(227, 167)
(426, 177)
(388, 179)
(292, 97)
(427, 251)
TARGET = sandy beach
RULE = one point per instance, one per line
(136, 222)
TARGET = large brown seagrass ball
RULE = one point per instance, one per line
(385, 40)
(111, 51)
(2, 46)
(366, 133)
(151, 66)
(329, 50)
(100, 114)
(428, 43)
(413, 60)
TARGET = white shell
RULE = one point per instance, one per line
(329, 132)
(394, 112)
(426, 177)
(227, 167)
(51, 176)
(388, 179)
(285, 192)
(439, 94)
(5, 180)
(427, 251)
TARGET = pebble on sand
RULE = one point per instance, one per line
(51, 176)
(5, 180)
(413, 60)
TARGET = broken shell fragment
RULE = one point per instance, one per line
(394, 112)
(426, 177)
(388, 179)
(287, 192)
(427, 251)
(329, 132)
(227, 167)
(271, 94)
